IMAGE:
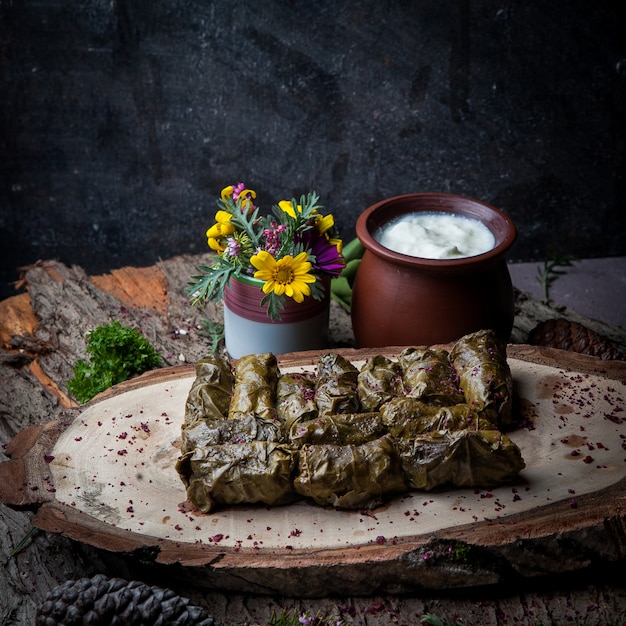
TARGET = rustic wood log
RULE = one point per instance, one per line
(43, 331)
(135, 500)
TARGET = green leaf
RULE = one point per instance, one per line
(23, 541)
(341, 286)
(341, 292)
(354, 249)
(211, 283)
(214, 332)
(275, 305)
(350, 270)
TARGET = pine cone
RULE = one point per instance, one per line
(102, 601)
(566, 335)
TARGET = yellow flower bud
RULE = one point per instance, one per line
(223, 217)
(227, 192)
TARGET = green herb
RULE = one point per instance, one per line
(23, 541)
(214, 332)
(341, 286)
(551, 272)
(117, 352)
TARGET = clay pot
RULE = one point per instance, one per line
(249, 330)
(399, 300)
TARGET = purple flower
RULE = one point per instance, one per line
(237, 189)
(273, 237)
(233, 248)
(327, 258)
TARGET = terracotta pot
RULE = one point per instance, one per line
(249, 330)
(400, 300)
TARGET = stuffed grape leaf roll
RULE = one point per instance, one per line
(254, 393)
(296, 398)
(350, 477)
(245, 473)
(340, 429)
(214, 432)
(485, 376)
(211, 389)
(336, 385)
(464, 458)
(408, 417)
(429, 376)
(379, 380)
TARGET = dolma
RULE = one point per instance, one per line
(336, 385)
(340, 429)
(350, 477)
(211, 389)
(408, 417)
(465, 458)
(296, 398)
(214, 432)
(429, 376)
(254, 393)
(379, 380)
(245, 473)
(485, 376)
(462, 417)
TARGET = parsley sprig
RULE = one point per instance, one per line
(117, 352)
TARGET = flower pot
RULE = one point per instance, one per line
(400, 300)
(249, 330)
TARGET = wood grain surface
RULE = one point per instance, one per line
(105, 475)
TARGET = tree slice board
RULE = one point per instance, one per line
(105, 475)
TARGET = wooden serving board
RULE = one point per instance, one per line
(104, 475)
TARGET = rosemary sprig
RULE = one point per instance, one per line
(551, 271)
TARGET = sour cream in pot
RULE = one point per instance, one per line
(436, 236)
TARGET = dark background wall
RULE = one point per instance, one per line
(120, 121)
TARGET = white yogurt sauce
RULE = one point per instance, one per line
(436, 236)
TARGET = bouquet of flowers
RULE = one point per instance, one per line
(290, 250)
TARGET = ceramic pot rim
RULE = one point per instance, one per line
(375, 216)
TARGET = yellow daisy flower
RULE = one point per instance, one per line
(220, 230)
(324, 223)
(289, 275)
(287, 207)
(338, 243)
